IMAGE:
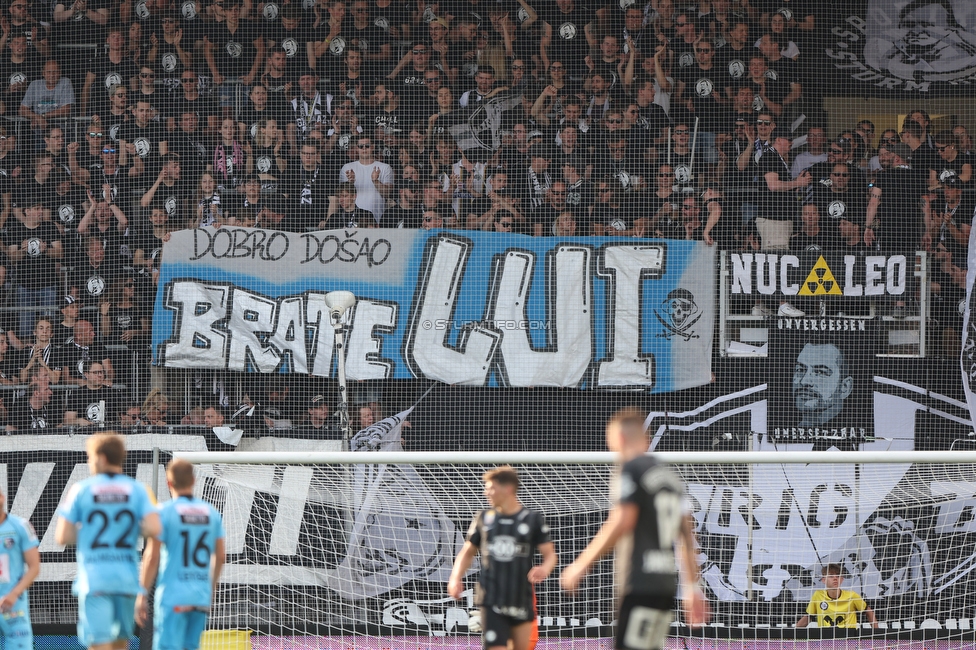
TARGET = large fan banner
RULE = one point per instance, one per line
(464, 308)
(820, 382)
(909, 47)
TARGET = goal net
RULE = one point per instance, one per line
(325, 553)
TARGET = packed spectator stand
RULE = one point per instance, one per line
(124, 121)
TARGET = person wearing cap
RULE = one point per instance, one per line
(308, 109)
(777, 193)
(24, 24)
(948, 162)
(65, 330)
(949, 217)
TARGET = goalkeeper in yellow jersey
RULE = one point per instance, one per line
(836, 607)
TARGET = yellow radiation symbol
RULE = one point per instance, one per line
(820, 281)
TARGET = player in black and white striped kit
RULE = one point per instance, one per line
(508, 536)
(647, 521)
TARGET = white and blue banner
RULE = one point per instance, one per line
(459, 307)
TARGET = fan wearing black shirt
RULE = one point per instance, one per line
(28, 415)
(648, 520)
(105, 71)
(92, 276)
(233, 49)
(507, 535)
(9, 368)
(169, 192)
(90, 404)
(307, 188)
(18, 67)
(347, 214)
(34, 246)
(777, 198)
(81, 350)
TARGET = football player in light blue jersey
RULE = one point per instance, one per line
(188, 555)
(20, 563)
(105, 515)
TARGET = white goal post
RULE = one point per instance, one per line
(353, 549)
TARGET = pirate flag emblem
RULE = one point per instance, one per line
(678, 313)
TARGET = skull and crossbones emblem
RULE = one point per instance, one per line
(678, 312)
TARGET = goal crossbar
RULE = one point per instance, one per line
(573, 457)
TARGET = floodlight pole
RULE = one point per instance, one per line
(339, 303)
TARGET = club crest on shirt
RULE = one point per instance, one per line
(8, 542)
(823, 605)
(94, 412)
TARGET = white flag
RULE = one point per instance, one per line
(968, 357)
(400, 532)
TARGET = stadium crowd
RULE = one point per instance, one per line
(698, 121)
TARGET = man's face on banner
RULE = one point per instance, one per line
(926, 26)
(820, 384)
